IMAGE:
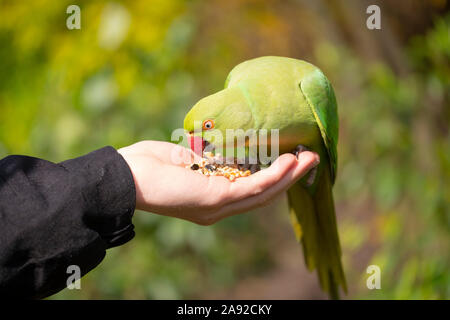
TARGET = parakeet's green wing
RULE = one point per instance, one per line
(320, 96)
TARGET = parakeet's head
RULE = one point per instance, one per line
(211, 120)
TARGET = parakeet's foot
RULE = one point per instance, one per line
(247, 164)
(299, 149)
(252, 167)
(312, 177)
(312, 174)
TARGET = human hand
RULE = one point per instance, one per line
(166, 187)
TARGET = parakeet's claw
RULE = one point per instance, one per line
(312, 177)
(253, 167)
(312, 174)
(299, 149)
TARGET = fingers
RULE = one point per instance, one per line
(264, 179)
(178, 155)
(164, 151)
(260, 188)
(219, 191)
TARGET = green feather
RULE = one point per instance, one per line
(322, 101)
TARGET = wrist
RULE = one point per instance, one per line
(132, 167)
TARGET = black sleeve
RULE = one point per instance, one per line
(56, 215)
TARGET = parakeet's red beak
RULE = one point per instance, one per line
(197, 144)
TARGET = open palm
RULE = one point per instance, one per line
(164, 186)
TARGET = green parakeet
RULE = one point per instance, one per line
(296, 98)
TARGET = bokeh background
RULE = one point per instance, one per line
(136, 67)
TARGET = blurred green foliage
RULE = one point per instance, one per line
(135, 68)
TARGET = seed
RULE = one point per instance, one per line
(210, 165)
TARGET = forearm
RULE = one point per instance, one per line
(56, 215)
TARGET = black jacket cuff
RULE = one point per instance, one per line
(107, 187)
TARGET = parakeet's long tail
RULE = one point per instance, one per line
(314, 221)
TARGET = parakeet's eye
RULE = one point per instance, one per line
(208, 124)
